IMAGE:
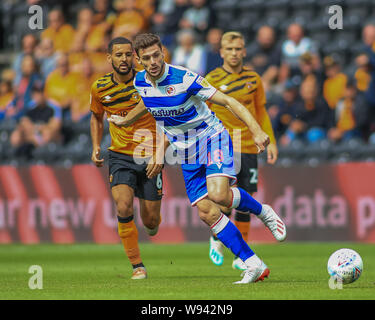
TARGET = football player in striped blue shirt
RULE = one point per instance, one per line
(176, 97)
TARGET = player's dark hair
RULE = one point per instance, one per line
(146, 40)
(118, 40)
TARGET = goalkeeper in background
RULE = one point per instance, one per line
(239, 82)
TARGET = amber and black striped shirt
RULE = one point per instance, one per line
(120, 98)
(247, 88)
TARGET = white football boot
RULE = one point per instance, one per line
(273, 222)
(216, 251)
(238, 264)
(254, 273)
(139, 274)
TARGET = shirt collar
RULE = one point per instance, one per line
(165, 74)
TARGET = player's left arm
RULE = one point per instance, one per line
(138, 112)
(265, 122)
(261, 139)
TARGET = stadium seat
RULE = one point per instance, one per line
(326, 3)
(320, 150)
(294, 151)
(338, 46)
(272, 4)
(76, 153)
(278, 13)
(353, 23)
(348, 150)
(4, 136)
(81, 127)
(250, 5)
(6, 151)
(9, 125)
(224, 19)
(361, 12)
(244, 23)
(306, 4)
(321, 37)
(49, 153)
(320, 23)
(304, 14)
(366, 152)
(365, 4)
(223, 5)
(275, 18)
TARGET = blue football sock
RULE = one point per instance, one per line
(231, 237)
(243, 201)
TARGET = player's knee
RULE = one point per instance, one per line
(124, 208)
(219, 197)
(152, 221)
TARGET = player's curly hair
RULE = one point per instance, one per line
(146, 40)
(118, 40)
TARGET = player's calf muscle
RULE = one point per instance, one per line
(150, 213)
(208, 211)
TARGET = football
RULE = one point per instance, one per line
(345, 265)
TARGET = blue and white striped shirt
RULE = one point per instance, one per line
(177, 103)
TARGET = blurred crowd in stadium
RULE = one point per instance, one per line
(320, 83)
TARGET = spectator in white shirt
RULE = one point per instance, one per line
(292, 48)
(189, 53)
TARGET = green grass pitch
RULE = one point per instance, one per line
(177, 272)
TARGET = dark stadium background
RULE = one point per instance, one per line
(321, 185)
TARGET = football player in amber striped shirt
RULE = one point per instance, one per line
(245, 85)
(114, 94)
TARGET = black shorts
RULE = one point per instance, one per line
(124, 170)
(247, 177)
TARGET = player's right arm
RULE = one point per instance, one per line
(96, 128)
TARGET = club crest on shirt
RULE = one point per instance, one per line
(249, 85)
(170, 90)
(135, 96)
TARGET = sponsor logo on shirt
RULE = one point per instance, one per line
(166, 113)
